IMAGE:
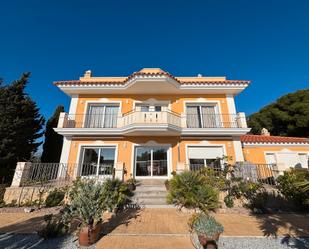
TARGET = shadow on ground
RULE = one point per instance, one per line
(123, 217)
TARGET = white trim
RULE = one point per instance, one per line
(152, 144)
(231, 103)
(102, 101)
(239, 156)
(275, 144)
(156, 130)
(113, 88)
(65, 152)
(73, 104)
(203, 101)
(92, 145)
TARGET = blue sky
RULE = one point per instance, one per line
(266, 42)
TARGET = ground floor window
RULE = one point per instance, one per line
(97, 161)
(205, 156)
(150, 161)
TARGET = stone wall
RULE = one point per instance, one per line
(24, 194)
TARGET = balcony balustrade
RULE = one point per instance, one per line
(140, 118)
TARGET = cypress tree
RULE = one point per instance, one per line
(20, 126)
(53, 141)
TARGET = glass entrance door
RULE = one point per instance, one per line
(150, 161)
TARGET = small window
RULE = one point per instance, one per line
(158, 108)
(145, 108)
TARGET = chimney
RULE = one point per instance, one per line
(265, 132)
(87, 74)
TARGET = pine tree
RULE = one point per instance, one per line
(288, 116)
(20, 126)
(53, 141)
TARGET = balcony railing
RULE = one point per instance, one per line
(262, 173)
(191, 121)
(60, 174)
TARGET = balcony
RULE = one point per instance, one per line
(161, 123)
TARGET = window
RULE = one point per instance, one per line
(102, 116)
(303, 159)
(270, 158)
(158, 108)
(202, 116)
(98, 161)
(208, 156)
(150, 107)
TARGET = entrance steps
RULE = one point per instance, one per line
(150, 193)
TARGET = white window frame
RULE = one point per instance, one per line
(100, 102)
(215, 104)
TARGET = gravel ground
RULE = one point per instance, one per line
(33, 241)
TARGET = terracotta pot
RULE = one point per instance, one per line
(131, 187)
(203, 239)
(89, 235)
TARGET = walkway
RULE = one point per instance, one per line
(167, 228)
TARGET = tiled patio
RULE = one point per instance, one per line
(167, 228)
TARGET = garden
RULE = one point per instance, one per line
(206, 191)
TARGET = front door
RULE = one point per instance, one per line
(151, 162)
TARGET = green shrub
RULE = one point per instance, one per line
(204, 224)
(229, 201)
(191, 190)
(214, 178)
(85, 202)
(288, 185)
(54, 227)
(114, 194)
(54, 198)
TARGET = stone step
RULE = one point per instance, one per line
(150, 194)
(143, 188)
(149, 201)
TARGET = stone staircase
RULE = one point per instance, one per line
(150, 193)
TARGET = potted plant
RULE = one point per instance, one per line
(131, 183)
(85, 205)
(205, 227)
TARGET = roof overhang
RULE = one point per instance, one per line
(152, 84)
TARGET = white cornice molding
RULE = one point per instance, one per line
(246, 144)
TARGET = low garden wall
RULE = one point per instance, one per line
(20, 195)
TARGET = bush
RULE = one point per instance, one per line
(288, 185)
(229, 201)
(85, 202)
(191, 190)
(54, 227)
(115, 194)
(205, 225)
(54, 198)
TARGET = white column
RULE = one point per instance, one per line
(239, 156)
(119, 172)
(20, 172)
(62, 120)
(241, 120)
(73, 104)
(231, 103)
(65, 150)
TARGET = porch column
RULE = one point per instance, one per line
(63, 165)
(20, 173)
(119, 171)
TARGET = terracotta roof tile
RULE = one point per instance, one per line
(272, 139)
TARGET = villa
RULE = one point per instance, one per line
(151, 124)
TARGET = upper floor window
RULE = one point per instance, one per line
(150, 108)
(202, 116)
(102, 116)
